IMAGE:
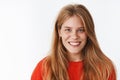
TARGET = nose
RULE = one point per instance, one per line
(74, 35)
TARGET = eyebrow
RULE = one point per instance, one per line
(71, 27)
(67, 27)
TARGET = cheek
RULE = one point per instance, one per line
(65, 36)
(84, 37)
(65, 39)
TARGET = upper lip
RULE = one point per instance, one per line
(75, 41)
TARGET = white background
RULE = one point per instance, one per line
(26, 30)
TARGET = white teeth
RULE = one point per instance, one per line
(74, 43)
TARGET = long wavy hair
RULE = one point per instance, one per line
(96, 66)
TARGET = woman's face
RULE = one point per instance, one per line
(73, 35)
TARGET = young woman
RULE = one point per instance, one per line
(75, 53)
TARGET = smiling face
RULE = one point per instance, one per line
(73, 35)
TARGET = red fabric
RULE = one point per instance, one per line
(112, 76)
(36, 75)
(74, 71)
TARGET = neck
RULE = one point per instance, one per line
(75, 57)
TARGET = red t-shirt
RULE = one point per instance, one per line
(74, 71)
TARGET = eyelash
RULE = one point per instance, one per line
(80, 30)
(69, 30)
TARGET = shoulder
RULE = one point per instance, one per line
(112, 75)
(40, 63)
(37, 72)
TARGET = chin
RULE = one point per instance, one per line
(71, 52)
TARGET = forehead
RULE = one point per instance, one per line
(74, 22)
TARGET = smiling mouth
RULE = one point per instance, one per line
(74, 43)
